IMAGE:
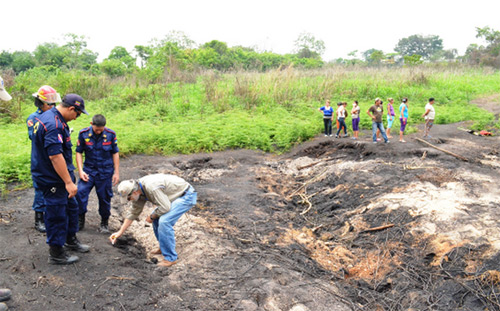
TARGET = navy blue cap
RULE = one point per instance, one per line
(75, 101)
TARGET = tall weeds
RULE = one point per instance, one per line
(209, 111)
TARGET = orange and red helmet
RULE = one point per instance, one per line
(48, 95)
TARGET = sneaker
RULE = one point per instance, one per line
(326, 135)
(387, 141)
(402, 141)
(374, 142)
(346, 135)
(330, 135)
(379, 139)
(336, 136)
(3, 307)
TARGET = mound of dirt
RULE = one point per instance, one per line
(335, 224)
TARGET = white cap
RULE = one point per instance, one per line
(3, 93)
(125, 188)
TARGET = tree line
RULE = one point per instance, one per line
(177, 52)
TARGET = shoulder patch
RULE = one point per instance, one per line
(85, 130)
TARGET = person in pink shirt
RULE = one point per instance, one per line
(355, 119)
(390, 116)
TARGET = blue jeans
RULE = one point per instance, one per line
(380, 126)
(163, 227)
(342, 125)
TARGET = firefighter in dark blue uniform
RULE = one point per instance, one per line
(52, 169)
(100, 170)
(45, 99)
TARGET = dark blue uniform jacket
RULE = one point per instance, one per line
(99, 150)
(50, 137)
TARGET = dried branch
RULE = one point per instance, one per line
(378, 228)
(445, 151)
(317, 162)
(307, 183)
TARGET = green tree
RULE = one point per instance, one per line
(491, 36)
(413, 60)
(22, 61)
(113, 67)
(373, 56)
(215, 54)
(143, 52)
(488, 55)
(446, 55)
(51, 54)
(180, 38)
(218, 46)
(163, 58)
(417, 44)
(120, 53)
(307, 46)
(5, 59)
(80, 57)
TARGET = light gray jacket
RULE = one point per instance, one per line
(159, 189)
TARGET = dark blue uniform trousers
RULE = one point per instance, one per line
(38, 202)
(104, 190)
(61, 215)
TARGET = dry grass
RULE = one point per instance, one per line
(371, 265)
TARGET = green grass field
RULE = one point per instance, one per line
(267, 111)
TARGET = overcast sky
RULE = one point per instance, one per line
(271, 25)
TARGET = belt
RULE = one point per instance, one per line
(186, 191)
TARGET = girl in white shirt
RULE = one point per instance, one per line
(429, 116)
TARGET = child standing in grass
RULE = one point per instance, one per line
(390, 116)
(355, 119)
(403, 118)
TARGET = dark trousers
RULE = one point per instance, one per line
(61, 215)
(328, 126)
(38, 202)
(104, 191)
(342, 124)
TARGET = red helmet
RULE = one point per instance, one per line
(47, 95)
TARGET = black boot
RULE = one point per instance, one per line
(39, 222)
(104, 226)
(57, 256)
(73, 244)
(81, 222)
